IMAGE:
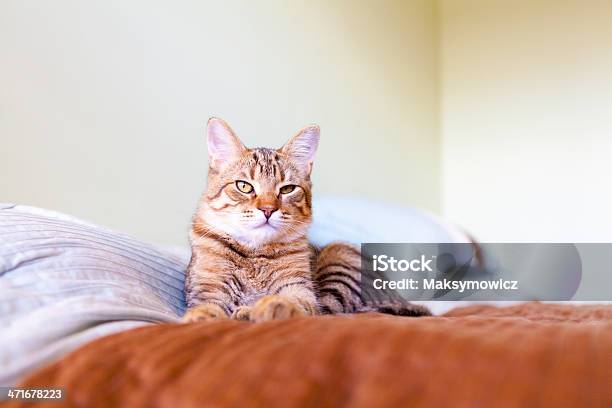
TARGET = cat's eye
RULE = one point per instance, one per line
(244, 187)
(287, 189)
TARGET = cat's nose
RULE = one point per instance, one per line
(268, 210)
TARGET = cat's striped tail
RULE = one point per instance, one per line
(338, 279)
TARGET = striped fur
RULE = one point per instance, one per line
(251, 259)
(339, 277)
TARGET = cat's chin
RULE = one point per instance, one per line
(254, 236)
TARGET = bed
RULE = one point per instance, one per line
(98, 313)
(526, 355)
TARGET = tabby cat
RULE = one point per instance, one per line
(251, 259)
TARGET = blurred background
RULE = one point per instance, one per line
(494, 114)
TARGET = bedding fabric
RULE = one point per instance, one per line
(64, 281)
(527, 355)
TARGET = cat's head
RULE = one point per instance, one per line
(259, 195)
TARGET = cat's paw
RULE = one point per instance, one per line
(203, 312)
(242, 313)
(275, 308)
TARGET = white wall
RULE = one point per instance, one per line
(527, 118)
(102, 104)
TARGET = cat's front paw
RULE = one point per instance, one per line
(203, 312)
(242, 313)
(275, 307)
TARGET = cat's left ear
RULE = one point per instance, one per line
(303, 146)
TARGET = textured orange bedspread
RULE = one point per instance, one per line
(528, 355)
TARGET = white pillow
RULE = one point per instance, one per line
(359, 220)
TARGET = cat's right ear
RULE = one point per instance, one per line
(224, 146)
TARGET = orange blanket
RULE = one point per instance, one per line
(527, 355)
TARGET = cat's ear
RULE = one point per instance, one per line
(303, 146)
(223, 145)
